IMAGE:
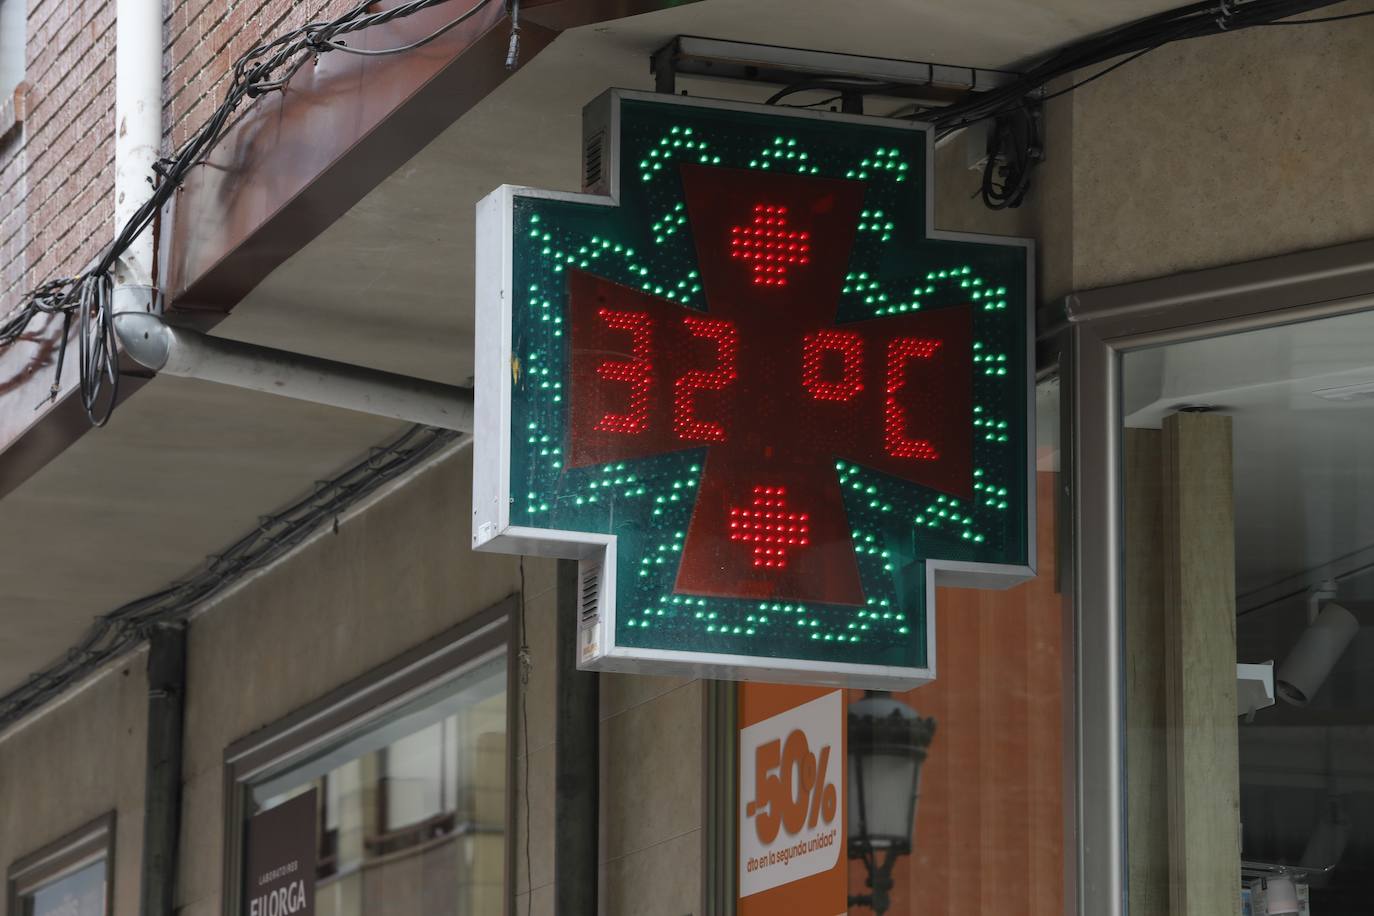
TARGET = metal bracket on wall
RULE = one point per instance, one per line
(851, 76)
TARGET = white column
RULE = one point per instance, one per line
(138, 124)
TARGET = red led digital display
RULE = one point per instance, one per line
(895, 438)
(770, 385)
(849, 345)
(636, 371)
(685, 423)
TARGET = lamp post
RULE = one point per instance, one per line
(887, 745)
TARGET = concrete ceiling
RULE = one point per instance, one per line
(400, 264)
(186, 468)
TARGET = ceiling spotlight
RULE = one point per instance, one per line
(1321, 645)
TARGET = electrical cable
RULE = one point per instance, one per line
(1098, 75)
(513, 46)
(122, 629)
(264, 68)
(1007, 174)
(523, 655)
(1197, 20)
(99, 348)
(270, 65)
(1012, 152)
(817, 104)
(1322, 19)
(442, 30)
(836, 84)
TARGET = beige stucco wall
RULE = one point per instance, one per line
(1210, 152)
(651, 787)
(1198, 154)
(75, 761)
(397, 572)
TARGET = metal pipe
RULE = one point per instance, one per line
(138, 123)
(577, 760)
(162, 786)
(189, 354)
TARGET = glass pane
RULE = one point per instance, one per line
(986, 833)
(1249, 545)
(414, 777)
(82, 893)
(12, 32)
(413, 806)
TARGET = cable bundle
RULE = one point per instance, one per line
(118, 631)
(264, 68)
(1134, 40)
(1014, 139)
(1012, 155)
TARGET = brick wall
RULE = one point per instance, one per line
(13, 234)
(57, 171)
(203, 40)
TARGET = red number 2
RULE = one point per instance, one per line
(685, 424)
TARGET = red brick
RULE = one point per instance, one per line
(56, 180)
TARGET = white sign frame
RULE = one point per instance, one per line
(491, 527)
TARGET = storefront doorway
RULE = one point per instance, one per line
(1222, 466)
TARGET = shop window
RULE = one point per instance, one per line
(953, 794)
(406, 769)
(12, 32)
(955, 790)
(1249, 621)
(67, 878)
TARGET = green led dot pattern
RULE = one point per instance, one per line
(782, 154)
(646, 242)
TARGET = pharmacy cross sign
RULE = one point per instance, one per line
(762, 402)
(770, 385)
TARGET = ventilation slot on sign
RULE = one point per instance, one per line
(590, 595)
(592, 180)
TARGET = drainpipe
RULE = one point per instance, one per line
(185, 353)
(577, 761)
(138, 139)
(162, 785)
(138, 125)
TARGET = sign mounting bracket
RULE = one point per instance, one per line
(851, 76)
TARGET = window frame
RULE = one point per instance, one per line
(90, 843)
(1090, 333)
(12, 106)
(355, 706)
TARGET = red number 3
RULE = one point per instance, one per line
(634, 371)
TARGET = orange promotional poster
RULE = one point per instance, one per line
(791, 814)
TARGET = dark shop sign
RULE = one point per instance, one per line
(280, 877)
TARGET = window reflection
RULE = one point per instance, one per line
(1250, 705)
(412, 812)
(985, 805)
(81, 893)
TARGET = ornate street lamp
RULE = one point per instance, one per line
(887, 745)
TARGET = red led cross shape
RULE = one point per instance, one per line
(770, 386)
(770, 527)
(769, 246)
